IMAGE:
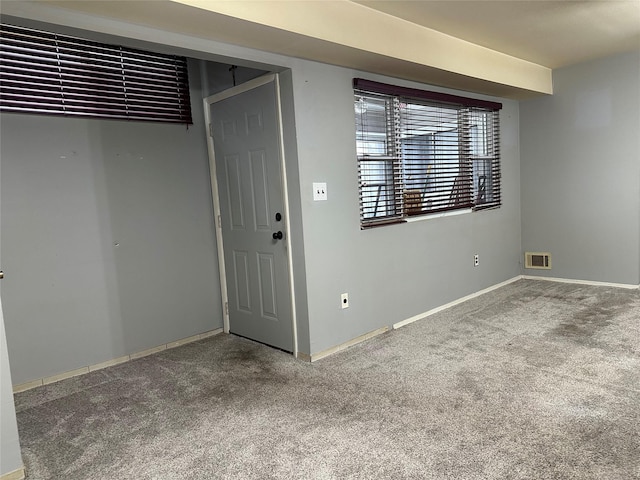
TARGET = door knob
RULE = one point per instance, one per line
(277, 235)
(1, 274)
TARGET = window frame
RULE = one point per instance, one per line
(469, 176)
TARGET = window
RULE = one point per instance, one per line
(423, 152)
(47, 73)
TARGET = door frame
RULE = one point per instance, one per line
(208, 102)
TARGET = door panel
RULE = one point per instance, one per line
(268, 300)
(234, 191)
(241, 277)
(260, 189)
(248, 163)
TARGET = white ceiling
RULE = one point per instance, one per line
(550, 33)
(504, 48)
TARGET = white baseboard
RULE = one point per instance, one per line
(18, 474)
(354, 341)
(502, 284)
(428, 313)
(109, 363)
(628, 286)
(305, 357)
(65, 375)
(147, 352)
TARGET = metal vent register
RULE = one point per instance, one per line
(540, 260)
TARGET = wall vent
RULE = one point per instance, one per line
(540, 260)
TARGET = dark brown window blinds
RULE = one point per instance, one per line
(424, 152)
(48, 73)
(417, 94)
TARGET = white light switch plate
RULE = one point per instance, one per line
(319, 191)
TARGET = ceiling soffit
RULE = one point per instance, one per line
(338, 32)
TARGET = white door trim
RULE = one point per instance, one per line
(208, 101)
(287, 218)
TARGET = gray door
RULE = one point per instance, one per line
(248, 165)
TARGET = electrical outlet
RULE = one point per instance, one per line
(476, 260)
(319, 191)
(344, 300)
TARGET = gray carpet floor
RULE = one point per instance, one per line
(535, 380)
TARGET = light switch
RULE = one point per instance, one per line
(319, 191)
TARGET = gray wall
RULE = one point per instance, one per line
(581, 172)
(107, 241)
(217, 77)
(391, 273)
(395, 272)
(10, 458)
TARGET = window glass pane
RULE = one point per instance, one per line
(377, 162)
(482, 180)
(485, 157)
(376, 177)
(371, 125)
(478, 133)
(434, 177)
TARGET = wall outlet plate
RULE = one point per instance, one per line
(344, 300)
(319, 191)
(476, 260)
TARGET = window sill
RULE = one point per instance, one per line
(429, 216)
